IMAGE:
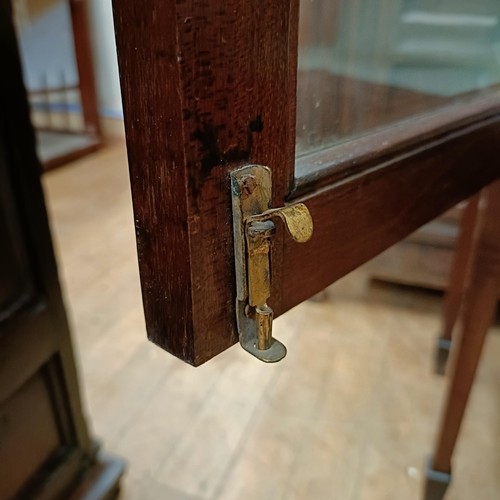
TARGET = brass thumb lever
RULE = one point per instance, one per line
(296, 218)
(259, 229)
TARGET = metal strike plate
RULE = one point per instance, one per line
(253, 228)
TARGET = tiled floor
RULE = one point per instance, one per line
(349, 414)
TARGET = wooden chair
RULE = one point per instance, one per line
(472, 299)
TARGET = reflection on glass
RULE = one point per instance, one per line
(366, 64)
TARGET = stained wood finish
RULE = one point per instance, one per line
(361, 216)
(25, 447)
(45, 444)
(461, 260)
(479, 306)
(207, 86)
(16, 286)
(455, 288)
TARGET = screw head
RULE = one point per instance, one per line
(248, 184)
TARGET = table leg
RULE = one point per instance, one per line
(454, 293)
(477, 312)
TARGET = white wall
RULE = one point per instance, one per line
(105, 62)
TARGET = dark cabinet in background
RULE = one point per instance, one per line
(45, 447)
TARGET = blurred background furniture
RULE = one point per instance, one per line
(379, 63)
(473, 303)
(58, 71)
(424, 259)
(46, 450)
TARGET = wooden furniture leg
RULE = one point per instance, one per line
(478, 309)
(454, 293)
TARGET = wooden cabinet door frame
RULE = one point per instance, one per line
(210, 86)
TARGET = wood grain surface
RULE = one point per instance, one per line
(207, 86)
(359, 217)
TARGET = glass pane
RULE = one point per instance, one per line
(367, 64)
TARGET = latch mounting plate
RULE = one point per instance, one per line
(251, 192)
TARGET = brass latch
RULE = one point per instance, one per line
(253, 227)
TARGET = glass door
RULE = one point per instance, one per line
(370, 118)
(366, 66)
